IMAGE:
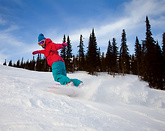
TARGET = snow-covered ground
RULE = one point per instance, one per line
(104, 104)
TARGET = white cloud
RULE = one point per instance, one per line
(132, 20)
(11, 45)
(9, 40)
(140, 8)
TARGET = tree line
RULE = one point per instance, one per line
(148, 61)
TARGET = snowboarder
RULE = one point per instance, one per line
(55, 60)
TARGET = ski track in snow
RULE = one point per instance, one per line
(104, 103)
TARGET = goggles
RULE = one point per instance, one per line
(41, 42)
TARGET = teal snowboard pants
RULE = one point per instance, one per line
(60, 75)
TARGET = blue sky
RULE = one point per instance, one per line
(21, 21)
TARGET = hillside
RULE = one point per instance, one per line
(104, 104)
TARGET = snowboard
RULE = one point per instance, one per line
(70, 91)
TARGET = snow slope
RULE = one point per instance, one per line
(105, 104)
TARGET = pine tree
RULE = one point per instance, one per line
(149, 58)
(63, 50)
(39, 63)
(163, 47)
(10, 63)
(124, 55)
(133, 65)
(158, 70)
(5, 63)
(75, 63)
(69, 56)
(114, 55)
(109, 58)
(92, 54)
(103, 63)
(27, 65)
(99, 61)
(45, 65)
(31, 65)
(18, 64)
(81, 65)
(138, 57)
(22, 63)
(163, 53)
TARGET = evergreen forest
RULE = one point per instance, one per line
(148, 60)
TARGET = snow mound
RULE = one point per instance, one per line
(127, 90)
(106, 103)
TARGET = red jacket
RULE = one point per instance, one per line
(51, 52)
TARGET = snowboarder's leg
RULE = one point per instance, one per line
(76, 82)
(59, 73)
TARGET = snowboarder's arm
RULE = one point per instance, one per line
(38, 52)
(60, 46)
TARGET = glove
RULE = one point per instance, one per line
(64, 44)
(35, 52)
